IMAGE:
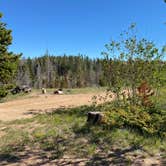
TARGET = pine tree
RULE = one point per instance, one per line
(8, 60)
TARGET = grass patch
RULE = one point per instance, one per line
(65, 132)
(11, 97)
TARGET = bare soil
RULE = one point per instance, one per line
(38, 103)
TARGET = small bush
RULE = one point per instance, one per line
(141, 119)
(3, 92)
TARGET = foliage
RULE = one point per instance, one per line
(52, 71)
(130, 61)
(135, 69)
(3, 92)
(139, 118)
(68, 134)
(146, 117)
(8, 60)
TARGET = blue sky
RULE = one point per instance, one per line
(79, 26)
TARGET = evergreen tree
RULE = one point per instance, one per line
(8, 60)
(60, 71)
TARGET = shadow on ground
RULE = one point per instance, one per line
(55, 155)
(37, 157)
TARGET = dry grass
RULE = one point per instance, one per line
(64, 137)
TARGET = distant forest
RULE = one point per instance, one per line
(50, 71)
(60, 72)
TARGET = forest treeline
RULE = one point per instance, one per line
(51, 71)
(60, 72)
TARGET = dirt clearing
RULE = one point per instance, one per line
(23, 108)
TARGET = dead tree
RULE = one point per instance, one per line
(144, 92)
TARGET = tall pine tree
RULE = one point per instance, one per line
(8, 60)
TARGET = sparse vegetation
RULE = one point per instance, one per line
(128, 123)
(65, 132)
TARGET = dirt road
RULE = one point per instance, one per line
(23, 108)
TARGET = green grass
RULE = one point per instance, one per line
(84, 90)
(161, 98)
(65, 132)
(79, 90)
(10, 97)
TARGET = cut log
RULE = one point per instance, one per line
(95, 117)
(44, 91)
(59, 91)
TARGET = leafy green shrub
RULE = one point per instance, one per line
(147, 121)
(3, 92)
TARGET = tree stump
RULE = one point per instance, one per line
(95, 117)
(59, 91)
(44, 91)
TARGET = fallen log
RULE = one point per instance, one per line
(59, 91)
